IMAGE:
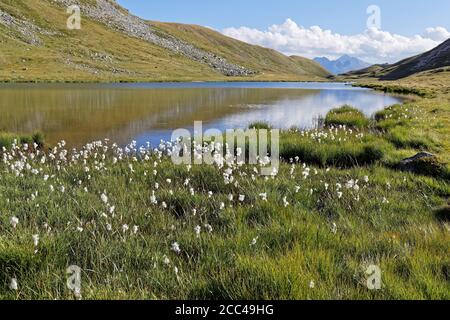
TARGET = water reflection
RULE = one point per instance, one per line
(149, 112)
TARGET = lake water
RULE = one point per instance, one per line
(81, 113)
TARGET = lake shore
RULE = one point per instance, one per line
(141, 227)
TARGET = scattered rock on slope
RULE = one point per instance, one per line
(110, 14)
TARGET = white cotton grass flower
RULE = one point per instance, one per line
(198, 230)
(104, 198)
(176, 247)
(14, 221)
(334, 228)
(209, 228)
(166, 260)
(35, 238)
(241, 198)
(125, 228)
(13, 284)
(312, 284)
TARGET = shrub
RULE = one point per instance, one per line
(346, 116)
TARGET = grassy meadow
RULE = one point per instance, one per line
(141, 227)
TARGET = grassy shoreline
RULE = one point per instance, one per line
(140, 227)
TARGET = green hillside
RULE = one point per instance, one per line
(37, 46)
(436, 60)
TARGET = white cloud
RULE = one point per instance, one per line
(376, 46)
(437, 34)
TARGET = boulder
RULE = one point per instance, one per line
(424, 163)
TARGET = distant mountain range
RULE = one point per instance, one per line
(342, 65)
(114, 45)
(437, 59)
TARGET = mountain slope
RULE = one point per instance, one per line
(342, 65)
(116, 46)
(435, 59)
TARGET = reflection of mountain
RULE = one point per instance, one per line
(82, 114)
(85, 113)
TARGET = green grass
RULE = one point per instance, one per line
(295, 245)
(72, 55)
(7, 140)
(334, 147)
(342, 207)
(346, 116)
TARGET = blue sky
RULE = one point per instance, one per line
(346, 20)
(405, 17)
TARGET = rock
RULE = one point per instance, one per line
(422, 155)
(110, 14)
(424, 163)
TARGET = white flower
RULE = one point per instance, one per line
(14, 222)
(254, 241)
(153, 198)
(263, 196)
(350, 184)
(285, 202)
(197, 230)
(104, 198)
(176, 247)
(241, 198)
(13, 284)
(108, 227)
(209, 228)
(125, 228)
(366, 179)
(35, 239)
(340, 194)
(135, 229)
(166, 260)
(312, 284)
(334, 228)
